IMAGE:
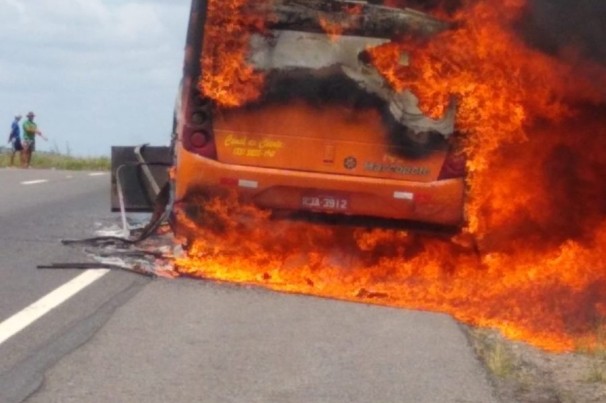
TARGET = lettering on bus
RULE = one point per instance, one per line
(397, 169)
(252, 147)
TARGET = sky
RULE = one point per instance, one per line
(96, 73)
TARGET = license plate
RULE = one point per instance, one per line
(327, 203)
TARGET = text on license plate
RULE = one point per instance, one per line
(325, 203)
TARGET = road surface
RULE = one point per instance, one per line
(125, 338)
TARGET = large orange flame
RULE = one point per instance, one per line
(227, 77)
(532, 260)
(501, 86)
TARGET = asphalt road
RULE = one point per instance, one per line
(125, 338)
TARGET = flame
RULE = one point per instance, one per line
(502, 88)
(333, 29)
(551, 297)
(532, 260)
(227, 77)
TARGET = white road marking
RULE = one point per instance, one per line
(35, 311)
(34, 182)
(97, 174)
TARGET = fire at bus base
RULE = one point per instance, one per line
(440, 116)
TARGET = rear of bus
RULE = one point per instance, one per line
(281, 107)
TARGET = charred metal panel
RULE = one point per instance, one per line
(352, 16)
(137, 191)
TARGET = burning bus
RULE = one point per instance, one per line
(346, 109)
(281, 106)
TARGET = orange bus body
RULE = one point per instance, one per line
(299, 156)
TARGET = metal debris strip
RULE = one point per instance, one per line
(162, 207)
(161, 212)
(151, 180)
(137, 253)
(120, 253)
(125, 227)
(98, 266)
(145, 167)
(154, 256)
(138, 175)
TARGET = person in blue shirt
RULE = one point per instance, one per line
(14, 138)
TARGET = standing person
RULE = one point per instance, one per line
(30, 131)
(14, 138)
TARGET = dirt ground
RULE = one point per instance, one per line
(522, 373)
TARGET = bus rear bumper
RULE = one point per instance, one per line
(438, 202)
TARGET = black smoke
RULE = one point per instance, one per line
(558, 27)
(564, 26)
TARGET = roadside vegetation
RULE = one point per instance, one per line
(596, 371)
(522, 373)
(57, 160)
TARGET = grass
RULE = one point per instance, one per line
(521, 373)
(496, 356)
(500, 360)
(596, 373)
(48, 160)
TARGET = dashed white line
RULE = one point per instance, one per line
(35, 311)
(97, 174)
(34, 182)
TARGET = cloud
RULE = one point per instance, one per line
(86, 66)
